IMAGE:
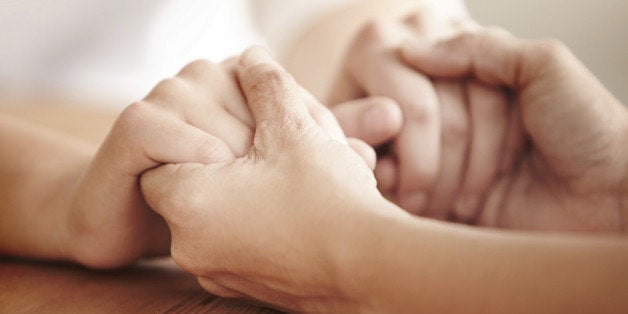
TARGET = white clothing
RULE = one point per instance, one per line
(97, 48)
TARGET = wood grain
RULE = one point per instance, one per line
(151, 286)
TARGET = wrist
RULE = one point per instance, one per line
(57, 202)
(367, 232)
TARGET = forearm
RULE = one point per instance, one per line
(420, 265)
(38, 170)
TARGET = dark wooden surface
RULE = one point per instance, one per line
(149, 287)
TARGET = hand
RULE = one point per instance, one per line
(573, 173)
(450, 149)
(199, 115)
(267, 225)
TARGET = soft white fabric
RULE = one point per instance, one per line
(97, 48)
(119, 48)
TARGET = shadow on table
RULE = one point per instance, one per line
(151, 286)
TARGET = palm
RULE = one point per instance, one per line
(533, 197)
(570, 176)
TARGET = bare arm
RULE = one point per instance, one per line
(312, 234)
(443, 268)
(38, 168)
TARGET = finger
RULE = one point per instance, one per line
(418, 145)
(375, 120)
(344, 88)
(374, 37)
(324, 118)
(387, 174)
(233, 100)
(146, 136)
(423, 21)
(209, 83)
(463, 24)
(456, 136)
(172, 188)
(365, 151)
(492, 57)
(187, 98)
(274, 98)
(489, 120)
(515, 141)
(222, 124)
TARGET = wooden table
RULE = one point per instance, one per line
(151, 286)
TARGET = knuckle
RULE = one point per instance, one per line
(169, 88)
(455, 129)
(374, 29)
(133, 115)
(390, 115)
(419, 18)
(384, 101)
(551, 49)
(212, 150)
(421, 114)
(180, 204)
(198, 68)
(477, 42)
(322, 114)
(424, 177)
(268, 74)
(267, 82)
(497, 31)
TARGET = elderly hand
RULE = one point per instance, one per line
(268, 225)
(573, 173)
(455, 132)
(201, 116)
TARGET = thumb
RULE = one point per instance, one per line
(567, 112)
(375, 120)
(276, 101)
(491, 56)
(167, 189)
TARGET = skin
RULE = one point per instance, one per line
(313, 234)
(84, 205)
(452, 145)
(70, 219)
(573, 134)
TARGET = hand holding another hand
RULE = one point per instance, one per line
(457, 135)
(572, 174)
(269, 223)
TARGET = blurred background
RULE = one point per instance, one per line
(117, 50)
(597, 31)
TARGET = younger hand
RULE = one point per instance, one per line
(197, 116)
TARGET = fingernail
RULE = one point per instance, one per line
(466, 207)
(414, 203)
